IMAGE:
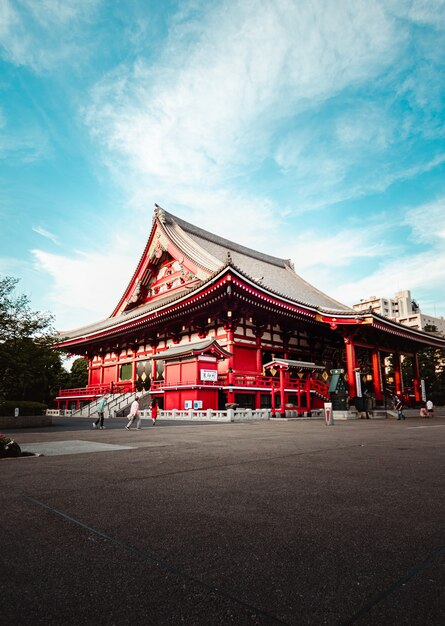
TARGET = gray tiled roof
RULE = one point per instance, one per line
(268, 271)
(191, 348)
(213, 253)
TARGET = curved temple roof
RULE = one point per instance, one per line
(267, 271)
(211, 257)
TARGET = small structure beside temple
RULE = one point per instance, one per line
(205, 322)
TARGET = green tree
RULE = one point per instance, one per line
(79, 373)
(431, 366)
(30, 368)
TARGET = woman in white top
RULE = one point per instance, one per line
(134, 412)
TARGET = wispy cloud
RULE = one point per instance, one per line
(423, 274)
(213, 102)
(427, 223)
(79, 295)
(46, 234)
(42, 34)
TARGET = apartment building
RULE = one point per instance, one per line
(403, 309)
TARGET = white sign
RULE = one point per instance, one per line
(358, 382)
(422, 387)
(328, 414)
(188, 404)
(209, 375)
(197, 404)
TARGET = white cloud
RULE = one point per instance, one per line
(427, 223)
(42, 34)
(87, 287)
(422, 273)
(25, 144)
(311, 250)
(227, 90)
(46, 234)
(189, 128)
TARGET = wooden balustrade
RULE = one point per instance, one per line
(239, 380)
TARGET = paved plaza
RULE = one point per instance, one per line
(281, 522)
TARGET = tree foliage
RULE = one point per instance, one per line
(432, 370)
(30, 369)
(78, 377)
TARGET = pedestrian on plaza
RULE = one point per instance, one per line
(134, 413)
(430, 408)
(100, 413)
(423, 411)
(399, 409)
(154, 412)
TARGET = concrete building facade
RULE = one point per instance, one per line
(402, 309)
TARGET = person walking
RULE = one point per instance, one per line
(430, 408)
(134, 413)
(100, 413)
(399, 409)
(154, 412)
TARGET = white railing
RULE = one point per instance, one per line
(231, 415)
(59, 412)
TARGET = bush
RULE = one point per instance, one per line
(8, 447)
(25, 407)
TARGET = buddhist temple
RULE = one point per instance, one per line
(205, 322)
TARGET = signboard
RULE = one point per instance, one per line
(328, 414)
(422, 387)
(358, 383)
(209, 375)
(188, 405)
(197, 404)
(16, 412)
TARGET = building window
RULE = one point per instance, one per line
(126, 371)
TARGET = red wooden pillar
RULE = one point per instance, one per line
(230, 373)
(259, 355)
(308, 391)
(398, 382)
(90, 370)
(102, 360)
(299, 392)
(273, 400)
(153, 346)
(259, 365)
(282, 408)
(416, 378)
(350, 366)
(377, 374)
(116, 374)
(134, 373)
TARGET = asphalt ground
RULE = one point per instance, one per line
(280, 522)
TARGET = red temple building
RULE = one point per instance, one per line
(205, 322)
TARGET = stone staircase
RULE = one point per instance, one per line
(117, 405)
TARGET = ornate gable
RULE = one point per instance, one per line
(163, 269)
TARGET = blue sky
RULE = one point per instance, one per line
(309, 130)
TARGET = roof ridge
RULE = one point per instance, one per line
(166, 216)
